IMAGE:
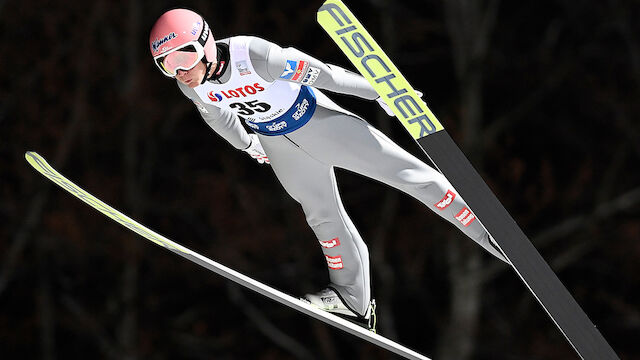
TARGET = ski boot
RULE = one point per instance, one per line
(329, 300)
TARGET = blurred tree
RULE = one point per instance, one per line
(541, 95)
(470, 24)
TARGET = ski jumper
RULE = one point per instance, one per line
(276, 92)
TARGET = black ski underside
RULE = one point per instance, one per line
(526, 260)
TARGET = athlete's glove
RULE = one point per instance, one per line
(386, 107)
(256, 151)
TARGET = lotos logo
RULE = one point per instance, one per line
(235, 93)
(155, 45)
(446, 200)
(214, 97)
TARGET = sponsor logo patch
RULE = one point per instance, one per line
(465, 216)
(302, 67)
(328, 244)
(194, 29)
(334, 262)
(311, 76)
(289, 69)
(277, 126)
(242, 67)
(446, 200)
(157, 43)
(235, 93)
(205, 32)
(301, 109)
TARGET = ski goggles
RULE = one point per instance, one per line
(184, 57)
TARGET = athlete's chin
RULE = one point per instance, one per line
(190, 82)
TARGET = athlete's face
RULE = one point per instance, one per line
(192, 77)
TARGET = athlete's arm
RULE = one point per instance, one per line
(222, 121)
(274, 63)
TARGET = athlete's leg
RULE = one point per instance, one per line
(313, 184)
(351, 143)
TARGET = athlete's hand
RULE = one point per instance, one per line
(256, 151)
(386, 107)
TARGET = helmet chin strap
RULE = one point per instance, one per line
(206, 73)
(221, 64)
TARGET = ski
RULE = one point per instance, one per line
(367, 56)
(41, 165)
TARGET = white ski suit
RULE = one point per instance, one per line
(277, 93)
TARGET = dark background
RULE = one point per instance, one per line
(541, 95)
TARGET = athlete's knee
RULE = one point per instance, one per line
(318, 216)
(419, 176)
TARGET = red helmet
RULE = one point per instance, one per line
(179, 39)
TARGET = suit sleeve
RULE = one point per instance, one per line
(223, 122)
(273, 62)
